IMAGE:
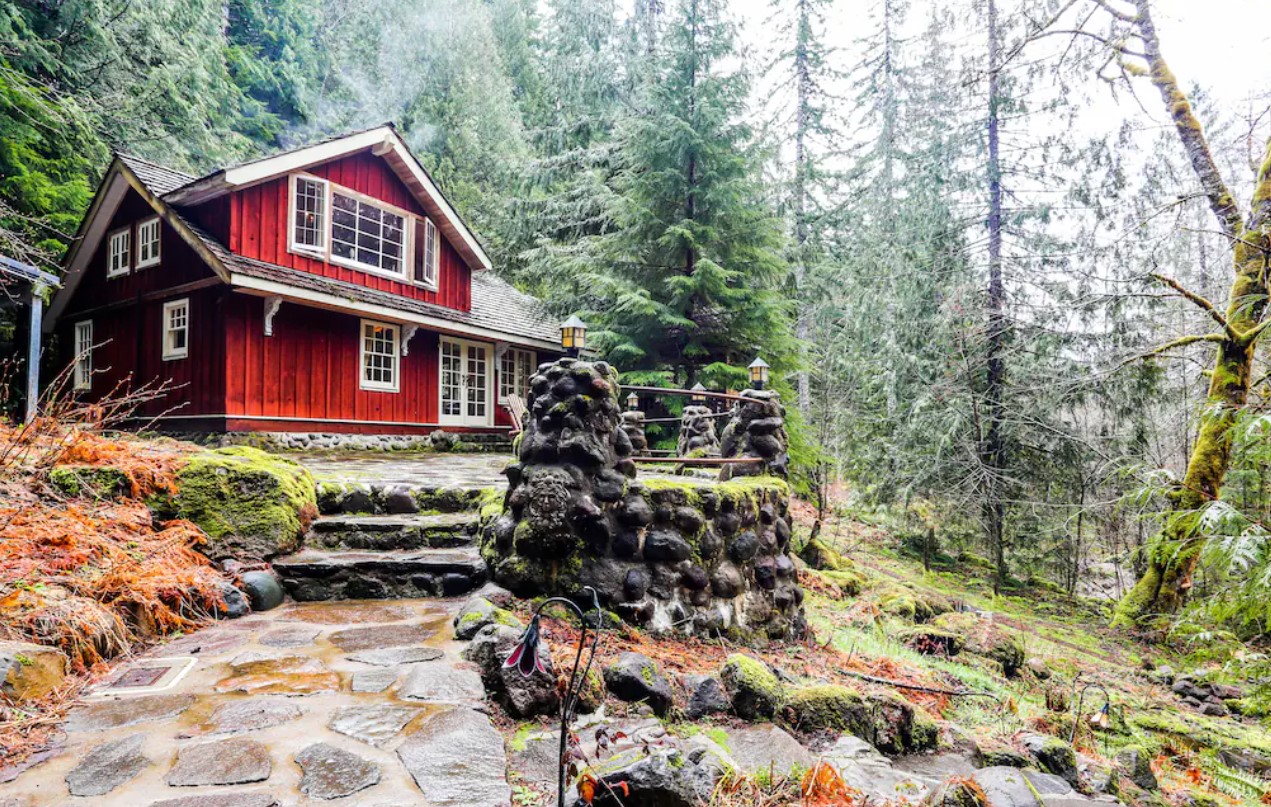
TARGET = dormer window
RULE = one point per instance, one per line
(366, 235)
(119, 252)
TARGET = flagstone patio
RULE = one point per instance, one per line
(360, 703)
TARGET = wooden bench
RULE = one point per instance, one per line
(518, 412)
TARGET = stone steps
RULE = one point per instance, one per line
(392, 532)
(363, 498)
(318, 574)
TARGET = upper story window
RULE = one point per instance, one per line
(347, 228)
(309, 215)
(176, 329)
(119, 252)
(380, 356)
(148, 243)
(515, 368)
(83, 355)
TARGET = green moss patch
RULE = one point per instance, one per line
(824, 706)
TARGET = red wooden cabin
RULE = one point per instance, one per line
(331, 288)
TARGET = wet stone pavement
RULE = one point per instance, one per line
(350, 703)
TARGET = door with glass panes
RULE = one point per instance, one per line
(466, 375)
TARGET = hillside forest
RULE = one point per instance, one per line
(1010, 270)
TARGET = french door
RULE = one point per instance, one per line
(466, 373)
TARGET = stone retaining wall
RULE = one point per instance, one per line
(701, 557)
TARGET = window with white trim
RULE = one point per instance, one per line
(83, 355)
(148, 243)
(515, 368)
(309, 215)
(176, 329)
(381, 350)
(118, 253)
(366, 235)
(429, 256)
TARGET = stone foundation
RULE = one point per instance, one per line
(310, 441)
(698, 557)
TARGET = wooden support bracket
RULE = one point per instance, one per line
(272, 304)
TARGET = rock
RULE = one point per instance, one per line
(375, 725)
(439, 682)
(457, 760)
(1003, 757)
(706, 697)
(30, 671)
(879, 780)
(666, 546)
(1163, 674)
(956, 792)
(1213, 710)
(1011, 787)
(520, 696)
(1098, 778)
(289, 636)
(251, 504)
(394, 656)
(251, 714)
(1054, 756)
(1136, 764)
(398, 500)
(263, 590)
(253, 799)
(236, 603)
(331, 773)
(824, 706)
(115, 714)
(478, 612)
(90, 481)
(222, 762)
(767, 748)
(984, 637)
(931, 640)
(752, 688)
(374, 680)
(634, 678)
(1038, 668)
(108, 766)
(665, 778)
(380, 636)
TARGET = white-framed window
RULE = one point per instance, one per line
(380, 356)
(366, 235)
(176, 329)
(515, 368)
(148, 243)
(83, 355)
(428, 254)
(309, 215)
(119, 252)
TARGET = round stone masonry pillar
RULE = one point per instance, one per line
(757, 430)
(697, 433)
(633, 426)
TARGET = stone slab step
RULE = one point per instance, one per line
(399, 498)
(363, 532)
(317, 574)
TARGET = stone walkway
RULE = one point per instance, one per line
(354, 703)
(419, 469)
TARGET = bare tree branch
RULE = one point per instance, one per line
(1194, 297)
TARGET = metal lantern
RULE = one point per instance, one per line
(758, 373)
(573, 335)
(698, 393)
(633, 402)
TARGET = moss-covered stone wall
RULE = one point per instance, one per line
(693, 556)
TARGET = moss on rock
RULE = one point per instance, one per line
(823, 706)
(251, 504)
(754, 690)
(92, 482)
(817, 554)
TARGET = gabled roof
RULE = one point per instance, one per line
(382, 141)
(159, 179)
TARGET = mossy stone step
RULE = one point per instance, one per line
(316, 574)
(393, 532)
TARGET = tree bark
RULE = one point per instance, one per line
(1174, 553)
(993, 451)
(802, 122)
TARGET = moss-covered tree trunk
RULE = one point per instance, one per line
(1174, 553)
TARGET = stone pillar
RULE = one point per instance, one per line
(697, 433)
(757, 429)
(633, 426)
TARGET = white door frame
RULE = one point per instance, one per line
(463, 419)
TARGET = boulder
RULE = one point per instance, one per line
(706, 696)
(251, 504)
(1136, 764)
(633, 677)
(931, 640)
(985, 638)
(90, 481)
(767, 749)
(262, 589)
(665, 778)
(1053, 756)
(30, 671)
(236, 604)
(753, 690)
(478, 612)
(824, 707)
(522, 697)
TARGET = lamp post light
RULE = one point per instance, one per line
(758, 373)
(698, 397)
(573, 335)
(633, 402)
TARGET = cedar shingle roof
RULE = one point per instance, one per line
(496, 304)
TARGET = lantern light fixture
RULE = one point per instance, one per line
(633, 402)
(758, 373)
(573, 335)
(698, 393)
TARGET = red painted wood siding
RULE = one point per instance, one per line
(129, 354)
(310, 368)
(258, 229)
(178, 263)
